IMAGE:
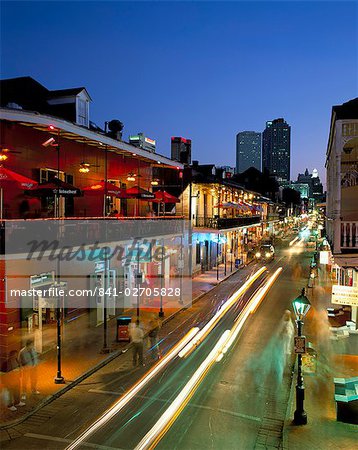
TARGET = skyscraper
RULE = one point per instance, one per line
(248, 150)
(181, 150)
(276, 149)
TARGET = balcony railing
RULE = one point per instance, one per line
(220, 223)
(349, 235)
(18, 235)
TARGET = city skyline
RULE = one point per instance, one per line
(216, 92)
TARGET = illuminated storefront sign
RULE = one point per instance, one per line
(345, 295)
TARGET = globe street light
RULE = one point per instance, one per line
(301, 305)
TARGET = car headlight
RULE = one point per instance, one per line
(267, 255)
(258, 254)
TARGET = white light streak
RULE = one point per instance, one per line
(219, 314)
(293, 241)
(171, 413)
(156, 433)
(123, 401)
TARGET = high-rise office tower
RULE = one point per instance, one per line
(181, 150)
(276, 149)
(248, 150)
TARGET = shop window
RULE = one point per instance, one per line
(47, 175)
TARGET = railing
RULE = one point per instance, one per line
(18, 235)
(349, 235)
(219, 223)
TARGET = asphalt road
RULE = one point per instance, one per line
(227, 410)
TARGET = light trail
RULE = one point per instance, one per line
(154, 435)
(126, 398)
(293, 241)
(219, 314)
(257, 299)
(250, 308)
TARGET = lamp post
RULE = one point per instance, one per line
(301, 305)
(217, 258)
(162, 268)
(105, 349)
(105, 206)
(59, 379)
(138, 277)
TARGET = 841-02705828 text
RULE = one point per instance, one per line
(138, 292)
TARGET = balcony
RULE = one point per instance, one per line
(222, 223)
(349, 235)
(82, 232)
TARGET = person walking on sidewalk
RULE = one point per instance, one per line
(154, 325)
(12, 380)
(137, 338)
(28, 361)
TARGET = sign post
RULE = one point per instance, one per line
(300, 344)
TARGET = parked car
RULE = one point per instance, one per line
(265, 252)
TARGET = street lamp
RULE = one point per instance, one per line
(51, 142)
(301, 305)
(162, 268)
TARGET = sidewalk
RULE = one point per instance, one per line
(81, 354)
(322, 431)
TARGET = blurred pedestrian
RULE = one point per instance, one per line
(12, 381)
(297, 271)
(274, 359)
(28, 360)
(286, 333)
(282, 347)
(137, 339)
(154, 327)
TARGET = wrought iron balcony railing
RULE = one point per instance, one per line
(221, 223)
(349, 235)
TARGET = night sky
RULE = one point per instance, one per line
(202, 70)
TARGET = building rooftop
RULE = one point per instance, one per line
(348, 110)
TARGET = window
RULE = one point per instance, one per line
(350, 129)
(47, 175)
(82, 112)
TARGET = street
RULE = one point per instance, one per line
(231, 403)
(178, 226)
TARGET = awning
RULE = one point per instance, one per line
(8, 178)
(56, 187)
(100, 188)
(139, 193)
(164, 197)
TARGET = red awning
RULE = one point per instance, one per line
(138, 192)
(100, 188)
(8, 176)
(165, 197)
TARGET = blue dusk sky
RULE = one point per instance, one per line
(202, 70)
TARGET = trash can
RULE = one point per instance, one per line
(123, 328)
(237, 262)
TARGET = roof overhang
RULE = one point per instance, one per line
(82, 135)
